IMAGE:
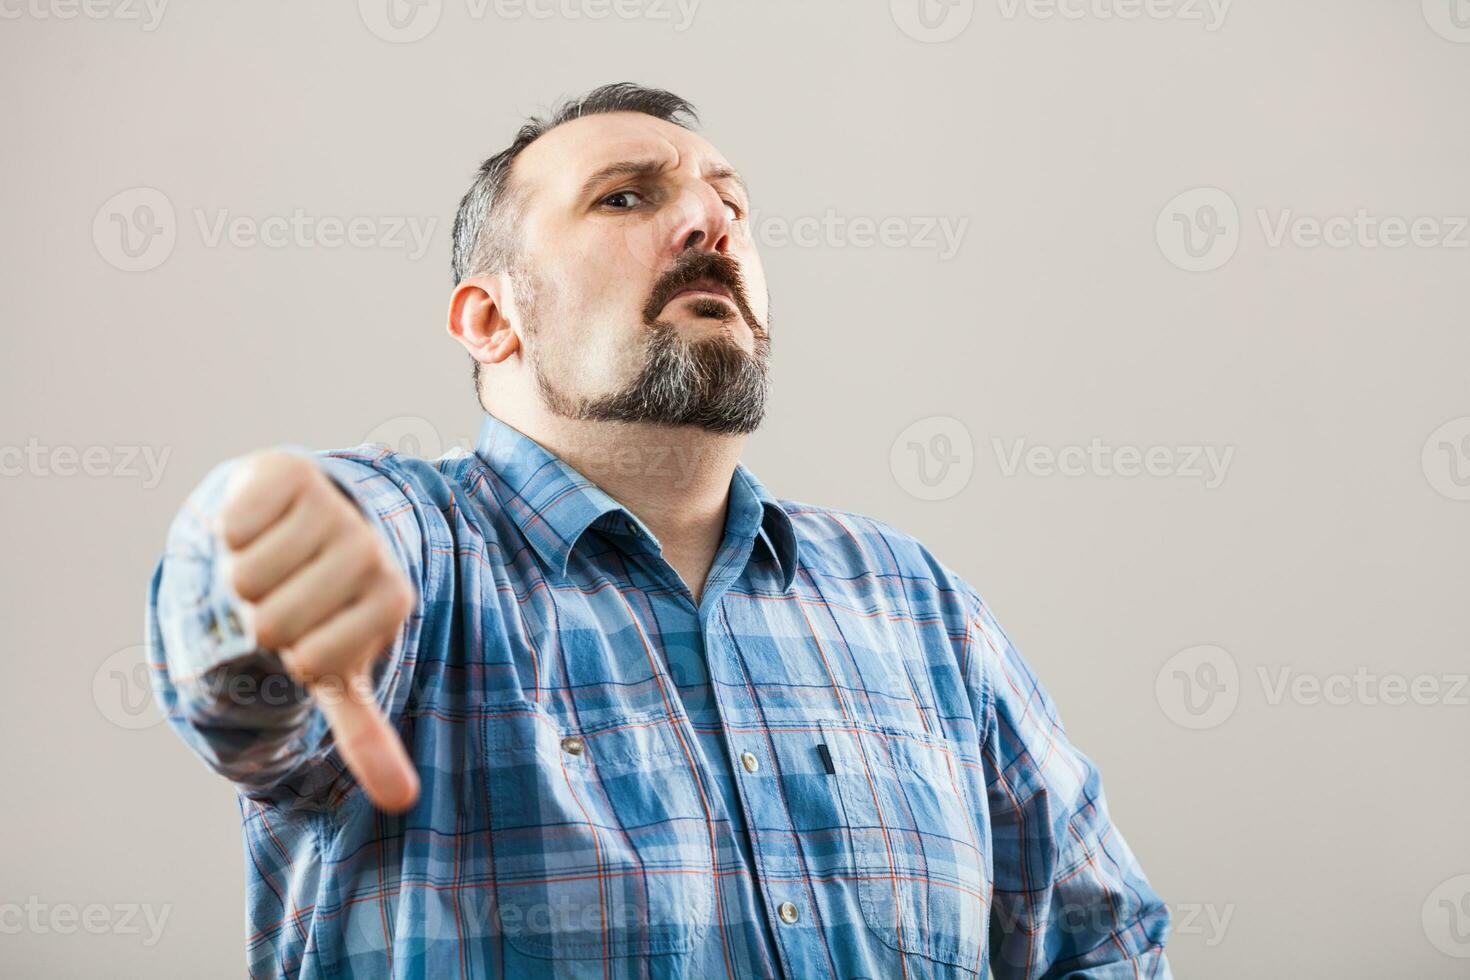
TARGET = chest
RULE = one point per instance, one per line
(602, 723)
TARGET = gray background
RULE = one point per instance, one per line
(1293, 837)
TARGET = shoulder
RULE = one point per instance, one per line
(850, 545)
(381, 471)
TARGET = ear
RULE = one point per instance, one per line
(478, 318)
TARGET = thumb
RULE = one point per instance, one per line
(369, 746)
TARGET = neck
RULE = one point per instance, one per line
(675, 479)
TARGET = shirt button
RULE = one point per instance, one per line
(787, 912)
(749, 761)
(633, 528)
(572, 745)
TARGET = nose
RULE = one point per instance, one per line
(701, 221)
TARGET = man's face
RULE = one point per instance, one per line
(641, 295)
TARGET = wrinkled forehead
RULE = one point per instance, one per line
(553, 170)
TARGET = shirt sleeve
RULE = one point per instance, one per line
(1070, 900)
(228, 698)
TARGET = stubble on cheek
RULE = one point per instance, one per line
(586, 358)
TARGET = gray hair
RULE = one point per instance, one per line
(484, 226)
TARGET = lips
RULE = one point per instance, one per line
(704, 286)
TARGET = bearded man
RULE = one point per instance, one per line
(590, 701)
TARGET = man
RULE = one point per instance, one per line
(590, 702)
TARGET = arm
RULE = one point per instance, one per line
(1070, 900)
(234, 700)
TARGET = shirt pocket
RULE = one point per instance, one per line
(599, 837)
(921, 876)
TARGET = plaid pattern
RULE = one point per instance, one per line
(836, 766)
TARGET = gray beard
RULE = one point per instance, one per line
(711, 382)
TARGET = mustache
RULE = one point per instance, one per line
(693, 266)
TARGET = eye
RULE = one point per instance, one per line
(620, 194)
(735, 213)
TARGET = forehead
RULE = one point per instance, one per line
(555, 165)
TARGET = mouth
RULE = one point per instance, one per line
(705, 287)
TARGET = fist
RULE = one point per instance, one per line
(323, 591)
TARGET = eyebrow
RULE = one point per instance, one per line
(652, 168)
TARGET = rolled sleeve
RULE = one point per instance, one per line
(227, 697)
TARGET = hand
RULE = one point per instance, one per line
(324, 592)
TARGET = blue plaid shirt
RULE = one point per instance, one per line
(834, 765)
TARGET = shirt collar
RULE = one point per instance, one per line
(553, 504)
